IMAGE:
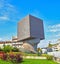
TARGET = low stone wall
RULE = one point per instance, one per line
(34, 57)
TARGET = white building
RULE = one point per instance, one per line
(56, 47)
(13, 43)
(2, 43)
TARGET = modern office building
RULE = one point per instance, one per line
(30, 30)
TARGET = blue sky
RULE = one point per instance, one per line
(12, 11)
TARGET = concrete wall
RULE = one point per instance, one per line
(30, 30)
(23, 29)
(30, 27)
(36, 28)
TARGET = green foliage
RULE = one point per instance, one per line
(1, 49)
(49, 57)
(15, 49)
(26, 54)
(50, 45)
(7, 48)
(44, 55)
(39, 51)
(15, 59)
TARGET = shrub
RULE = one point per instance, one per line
(39, 51)
(5, 56)
(12, 58)
(49, 57)
(44, 55)
(1, 49)
(18, 58)
(1, 54)
(15, 49)
(15, 58)
(7, 48)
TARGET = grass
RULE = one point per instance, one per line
(38, 61)
(5, 62)
(31, 61)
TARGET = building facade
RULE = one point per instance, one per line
(30, 30)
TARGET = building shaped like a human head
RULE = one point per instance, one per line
(30, 30)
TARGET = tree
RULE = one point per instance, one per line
(50, 45)
(7, 48)
(39, 50)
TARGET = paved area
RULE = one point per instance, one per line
(34, 57)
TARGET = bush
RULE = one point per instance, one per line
(18, 58)
(5, 57)
(15, 58)
(7, 48)
(44, 55)
(1, 49)
(39, 51)
(49, 57)
(1, 54)
(15, 49)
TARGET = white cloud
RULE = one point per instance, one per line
(44, 43)
(8, 11)
(4, 18)
(54, 28)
